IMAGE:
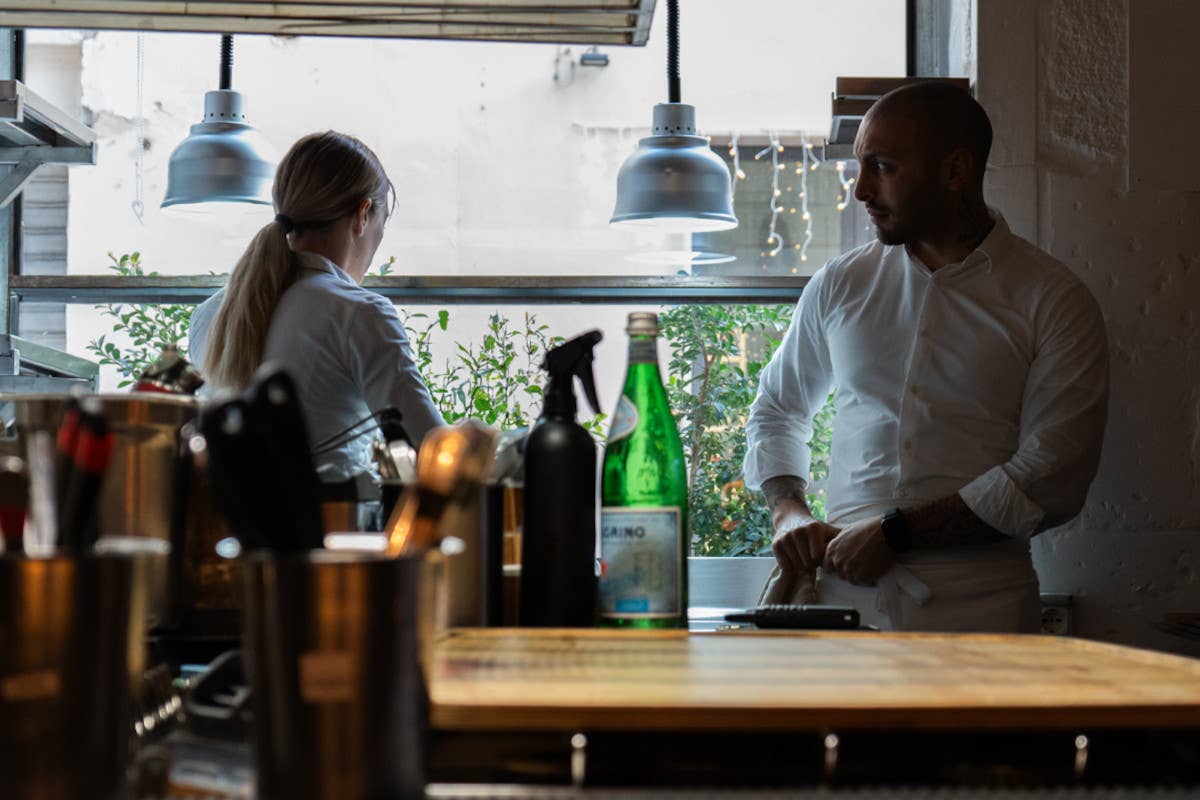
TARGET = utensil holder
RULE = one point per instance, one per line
(335, 646)
(72, 643)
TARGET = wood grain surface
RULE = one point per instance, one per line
(524, 680)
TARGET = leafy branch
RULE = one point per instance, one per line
(142, 330)
(497, 379)
(718, 354)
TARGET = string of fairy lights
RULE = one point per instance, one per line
(774, 239)
(809, 162)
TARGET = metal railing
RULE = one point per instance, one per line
(453, 290)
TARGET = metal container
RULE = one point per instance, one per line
(71, 650)
(351, 505)
(472, 532)
(141, 478)
(150, 489)
(333, 645)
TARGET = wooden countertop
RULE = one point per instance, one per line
(569, 680)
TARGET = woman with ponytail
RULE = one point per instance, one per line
(295, 299)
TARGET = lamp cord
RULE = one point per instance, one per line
(673, 51)
(226, 61)
(139, 153)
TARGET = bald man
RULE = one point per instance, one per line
(970, 376)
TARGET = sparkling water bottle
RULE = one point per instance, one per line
(643, 520)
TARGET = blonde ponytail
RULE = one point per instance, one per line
(239, 333)
(324, 177)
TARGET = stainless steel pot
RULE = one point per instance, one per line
(71, 650)
(150, 489)
(334, 653)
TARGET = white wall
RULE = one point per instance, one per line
(1066, 82)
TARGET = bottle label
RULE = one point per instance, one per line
(625, 420)
(640, 562)
(643, 350)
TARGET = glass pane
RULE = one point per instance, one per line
(505, 155)
(815, 214)
(710, 358)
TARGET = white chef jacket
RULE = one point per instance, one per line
(348, 353)
(987, 377)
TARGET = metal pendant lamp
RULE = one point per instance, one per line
(674, 182)
(223, 162)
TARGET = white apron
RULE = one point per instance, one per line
(986, 588)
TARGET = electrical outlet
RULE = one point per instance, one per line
(1056, 614)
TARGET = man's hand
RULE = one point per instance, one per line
(859, 554)
(800, 541)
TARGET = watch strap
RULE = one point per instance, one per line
(896, 533)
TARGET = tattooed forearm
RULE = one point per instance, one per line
(948, 522)
(784, 487)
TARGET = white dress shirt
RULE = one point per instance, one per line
(348, 353)
(987, 377)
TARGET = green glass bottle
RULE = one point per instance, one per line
(643, 519)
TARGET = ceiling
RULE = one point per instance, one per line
(612, 22)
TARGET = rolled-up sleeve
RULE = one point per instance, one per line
(388, 373)
(792, 389)
(1063, 414)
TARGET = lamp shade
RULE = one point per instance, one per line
(223, 160)
(674, 181)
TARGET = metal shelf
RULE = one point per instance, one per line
(34, 132)
(27, 119)
(597, 22)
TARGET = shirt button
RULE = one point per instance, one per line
(913, 389)
(902, 493)
(908, 444)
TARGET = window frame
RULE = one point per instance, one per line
(451, 290)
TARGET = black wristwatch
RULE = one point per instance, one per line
(896, 532)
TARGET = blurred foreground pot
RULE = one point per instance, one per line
(71, 650)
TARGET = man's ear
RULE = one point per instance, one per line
(958, 169)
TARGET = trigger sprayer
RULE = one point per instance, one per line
(558, 551)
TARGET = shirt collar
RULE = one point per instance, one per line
(319, 263)
(990, 251)
(994, 245)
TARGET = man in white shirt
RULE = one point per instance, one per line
(970, 379)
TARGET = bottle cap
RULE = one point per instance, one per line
(642, 323)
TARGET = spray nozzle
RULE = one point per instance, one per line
(571, 359)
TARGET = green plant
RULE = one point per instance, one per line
(718, 353)
(498, 379)
(146, 328)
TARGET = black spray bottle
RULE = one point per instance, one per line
(558, 548)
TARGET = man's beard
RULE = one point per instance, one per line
(916, 218)
(891, 237)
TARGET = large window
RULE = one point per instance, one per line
(505, 158)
